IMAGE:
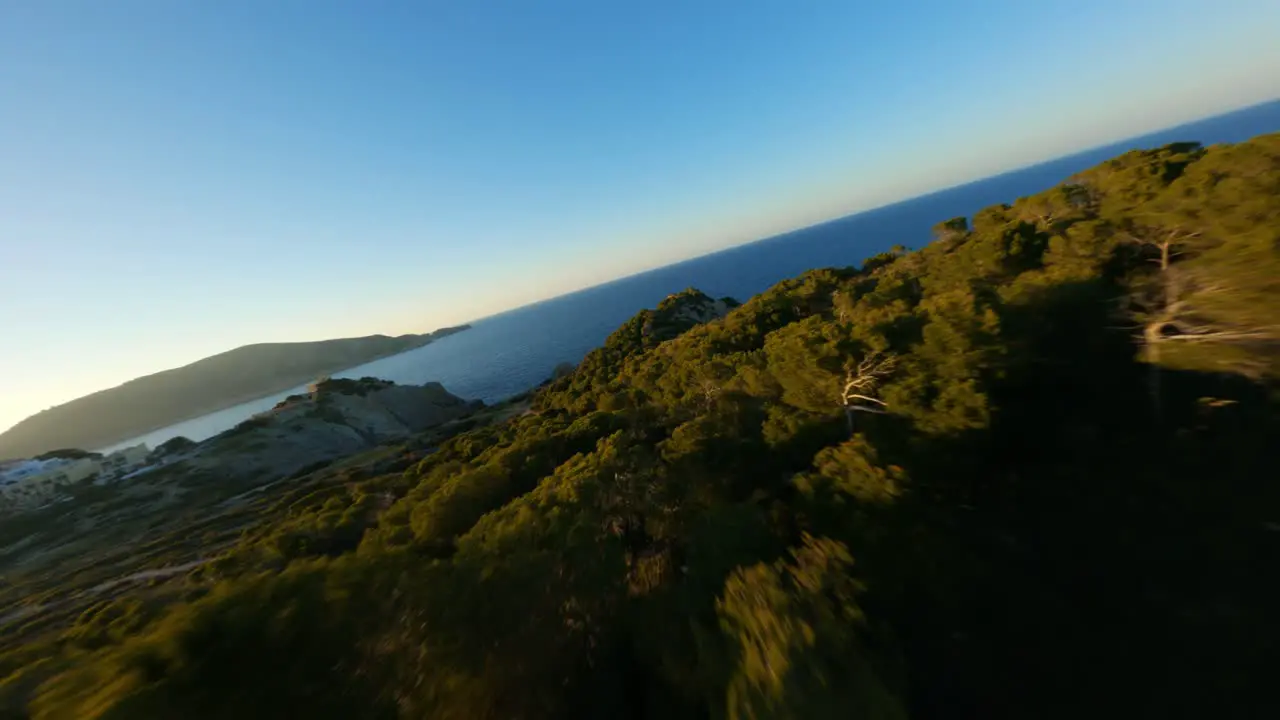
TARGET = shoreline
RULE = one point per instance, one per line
(125, 439)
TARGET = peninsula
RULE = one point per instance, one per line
(214, 383)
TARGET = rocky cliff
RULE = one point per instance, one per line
(681, 311)
(336, 418)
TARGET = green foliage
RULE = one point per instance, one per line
(173, 445)
(795, 630)
(1040, 530)
(348, 386)
(301, 627)
(67, 454)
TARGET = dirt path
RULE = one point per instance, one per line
(28, 610)
(146, 575)
(20, 613)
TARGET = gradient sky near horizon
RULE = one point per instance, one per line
(178, 178)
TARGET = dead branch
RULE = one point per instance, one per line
(861, 381)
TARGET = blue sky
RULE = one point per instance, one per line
(178, 178)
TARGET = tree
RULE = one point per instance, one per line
(860, 383)
(951, 229)
(797, 635)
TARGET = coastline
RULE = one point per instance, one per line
(280, 386)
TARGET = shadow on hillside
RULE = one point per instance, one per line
(1081, 548)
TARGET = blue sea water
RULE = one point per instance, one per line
(506, 354)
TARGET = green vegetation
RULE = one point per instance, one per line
(214, 383)
(1024, 472)
(173, 446)
(67, 454)
(347, 386)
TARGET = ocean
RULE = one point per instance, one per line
(508, 353)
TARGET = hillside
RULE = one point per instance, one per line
(214, 383)
(1027, 471)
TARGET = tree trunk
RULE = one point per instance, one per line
(1154, 389)
(1154, 335)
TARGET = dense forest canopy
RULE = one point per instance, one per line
(1025, 471)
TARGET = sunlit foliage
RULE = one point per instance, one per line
(1025, 471)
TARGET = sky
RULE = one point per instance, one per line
(178, 178)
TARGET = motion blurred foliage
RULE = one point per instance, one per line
(1025, 471)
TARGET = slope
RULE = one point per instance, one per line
(221, 381)
(1024, 472)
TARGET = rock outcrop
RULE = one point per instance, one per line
(336, 418)
(681, 311)
(149, 403)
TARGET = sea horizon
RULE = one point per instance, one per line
(1269, 108)
(509, 352)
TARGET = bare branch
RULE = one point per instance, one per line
(1221, 336)
(860, 383)
(868, 399)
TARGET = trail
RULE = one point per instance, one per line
(20, 613)
(29, 610)
(146, 575)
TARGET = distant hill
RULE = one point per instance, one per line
(214, 383)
